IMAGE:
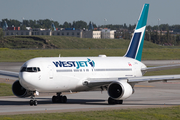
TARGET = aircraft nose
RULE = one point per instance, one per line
(24, 78)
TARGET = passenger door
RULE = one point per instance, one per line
(50, 72)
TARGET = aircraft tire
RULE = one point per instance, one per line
(35, 102)
(64, 99)
(31, 102)
(59, 99)
(112, 101)
(54, 99)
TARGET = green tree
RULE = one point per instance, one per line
(125, 26)
(66, 25)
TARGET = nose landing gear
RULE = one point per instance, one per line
(33, 101)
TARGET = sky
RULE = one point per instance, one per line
(115, 11)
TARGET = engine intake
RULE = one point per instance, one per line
(120, 90)
(19, 90)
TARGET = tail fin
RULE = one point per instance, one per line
(136, 45)
(53, 26)
(5, 26)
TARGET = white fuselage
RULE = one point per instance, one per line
(60, 74)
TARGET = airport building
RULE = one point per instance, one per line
(92, 34)
(41, 32)
(17, 32)
(72, 33)
(104, 33)
(107, 34)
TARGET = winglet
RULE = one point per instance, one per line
(136, 45)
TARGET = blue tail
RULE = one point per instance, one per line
(136, 45)
(5, 26)
(53, 26)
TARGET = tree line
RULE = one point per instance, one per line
(163, 34)
(46, 24)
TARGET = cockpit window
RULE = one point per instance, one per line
(30, 69)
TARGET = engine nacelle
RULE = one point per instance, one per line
(19, 90)
(120, 90)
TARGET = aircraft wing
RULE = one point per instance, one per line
(9, 74)
(95, 82)
(148, 69)
(153, 78)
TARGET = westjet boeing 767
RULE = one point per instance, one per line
(117, 75)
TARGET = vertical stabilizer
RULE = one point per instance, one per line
(5, 26)
(136, 45)
(53, 26)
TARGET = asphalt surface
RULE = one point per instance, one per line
(147, 95)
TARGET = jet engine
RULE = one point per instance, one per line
(120, 90)
(19, 91)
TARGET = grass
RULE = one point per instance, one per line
(22, 55)
(169, 113)
(74, 42)
(64, 42)
(73, 46)
(161, 53)
(164, 72)
(5, 89)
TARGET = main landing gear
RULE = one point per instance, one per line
(112, 101)
(59, 98)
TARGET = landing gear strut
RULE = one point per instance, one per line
(59, 98)
(112, 101)
(33, 101)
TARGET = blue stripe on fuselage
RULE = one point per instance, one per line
(134, 46)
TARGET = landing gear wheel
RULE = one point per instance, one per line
(59, 99)
(33, 102)
(64, 99)
(54, 99)
(112, 101)
(120, 101)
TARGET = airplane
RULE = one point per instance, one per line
(5, 26)
(117, 75)
(53, 26)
